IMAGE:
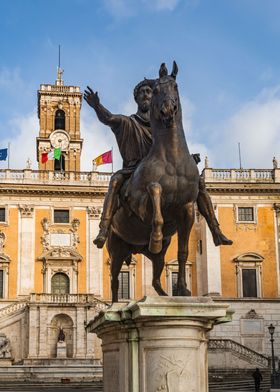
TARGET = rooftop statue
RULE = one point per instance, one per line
(153, 196)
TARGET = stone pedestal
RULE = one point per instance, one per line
(61, 350)
(158, 344)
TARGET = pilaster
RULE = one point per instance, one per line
(33, 332)
(94, 255)
(26, 249)
(43, 332)
(80, 331)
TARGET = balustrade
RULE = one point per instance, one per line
(240, 175)
(231, 345)
(52, 177)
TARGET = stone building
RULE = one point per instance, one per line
(52, 277)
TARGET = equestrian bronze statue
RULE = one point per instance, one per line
(158, 185)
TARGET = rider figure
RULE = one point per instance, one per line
(133, 135)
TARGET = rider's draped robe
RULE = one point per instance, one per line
(134, 139)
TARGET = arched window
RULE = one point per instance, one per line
(60, 284)
(59, 121)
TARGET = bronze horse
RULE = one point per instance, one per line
(158, 199)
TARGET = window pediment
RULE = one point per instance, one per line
(4, 259)
(249, 257)
(61, 253)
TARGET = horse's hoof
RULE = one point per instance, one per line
(184, 292)
(161, 292)
(155, 246)
(100, 240)
(159, 289)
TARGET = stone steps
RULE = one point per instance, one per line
(14, 386)
(236, 380)
(51, 374)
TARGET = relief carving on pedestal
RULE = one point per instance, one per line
(171, 374)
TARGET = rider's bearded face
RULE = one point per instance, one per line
(144, 97)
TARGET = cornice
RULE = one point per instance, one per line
(255, 188)
(61, 93)
(52, 190)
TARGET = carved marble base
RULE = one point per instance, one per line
(61, 350)
(5, 362)
(158, 344)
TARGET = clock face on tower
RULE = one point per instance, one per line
(59, 139)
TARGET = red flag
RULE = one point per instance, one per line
(103, 159)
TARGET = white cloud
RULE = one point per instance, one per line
(128, 8)
(160, 5)
(23, 144)
(98, 139)
(10, 78)
(257, 127)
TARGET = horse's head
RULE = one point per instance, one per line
(165, 102)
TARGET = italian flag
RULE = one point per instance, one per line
(54, 154)
(104, 158)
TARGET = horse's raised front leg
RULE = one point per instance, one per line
(185, 220)
(155, 244)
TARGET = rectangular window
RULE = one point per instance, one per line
(61, 216)
(2, 214)
(123, 292)
(174, 283)
(249, 283)
(1, 284)
(246, 214)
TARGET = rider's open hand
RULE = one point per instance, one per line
(91, 97)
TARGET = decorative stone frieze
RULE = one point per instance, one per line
(252, 314)
(64, 239)
(75, 236)
(94, 212)
(2, 241)
(26, 210)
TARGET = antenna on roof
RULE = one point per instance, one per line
(58, 56)
(59, 81)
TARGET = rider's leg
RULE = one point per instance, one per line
(205, 207)
(109, 208)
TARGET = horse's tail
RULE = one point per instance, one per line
(142, 211)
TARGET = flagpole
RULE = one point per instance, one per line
(112, 161)
(9, 145)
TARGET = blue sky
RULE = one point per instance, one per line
(227, 52)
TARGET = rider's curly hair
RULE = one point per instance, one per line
(145, 82)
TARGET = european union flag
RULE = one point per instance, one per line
(3, 154)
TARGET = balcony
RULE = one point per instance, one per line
(89, 299)
(45, 177)
(242, 175)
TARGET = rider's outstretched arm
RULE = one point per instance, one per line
(103, 114)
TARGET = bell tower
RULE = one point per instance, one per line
(59, 108)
